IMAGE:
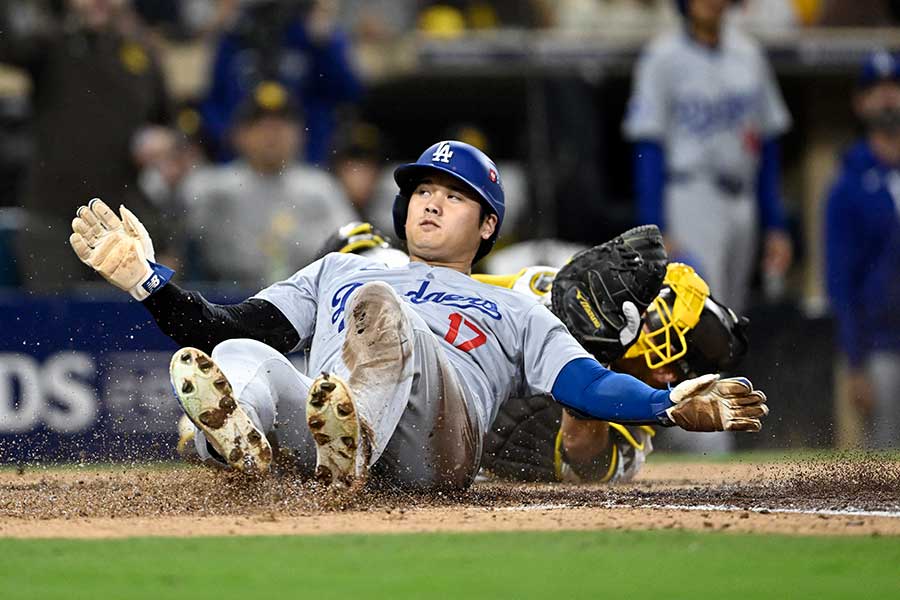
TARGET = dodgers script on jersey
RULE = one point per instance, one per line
(500, 341)
(710, 107)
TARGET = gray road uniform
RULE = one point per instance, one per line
(470, 346)
(710, 109)
(253, 229)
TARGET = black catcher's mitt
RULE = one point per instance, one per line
(602, 293)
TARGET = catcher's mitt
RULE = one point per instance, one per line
(602, 293)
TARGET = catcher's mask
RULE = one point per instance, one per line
(674, 311)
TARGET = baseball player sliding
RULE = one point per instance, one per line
(415, 360)
(687, 332)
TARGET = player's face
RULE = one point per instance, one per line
(708, 13)
(443, 224)
(268, 143)
(878, 99)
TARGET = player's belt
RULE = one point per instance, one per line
(728, 185)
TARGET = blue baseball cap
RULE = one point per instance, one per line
(879, 66)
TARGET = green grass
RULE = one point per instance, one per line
(667, 564)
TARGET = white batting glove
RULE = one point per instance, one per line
(119, 249)
(708, 403)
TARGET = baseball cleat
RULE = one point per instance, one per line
(208, 401)
(186, 432)
(335, 426)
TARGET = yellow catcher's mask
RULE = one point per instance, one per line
(674, 311)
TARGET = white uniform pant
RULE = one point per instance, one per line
(719, 232)
(426, 434)
(883, 369)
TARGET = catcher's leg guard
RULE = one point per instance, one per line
(208, 401)
(341, 447)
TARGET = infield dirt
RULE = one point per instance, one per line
(830, 497)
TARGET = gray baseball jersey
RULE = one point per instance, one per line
(500, 341)
(709, 108)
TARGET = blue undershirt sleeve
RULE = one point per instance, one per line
(768, 186)
(650, 178)
(587, 387)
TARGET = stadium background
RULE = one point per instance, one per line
(82, 372)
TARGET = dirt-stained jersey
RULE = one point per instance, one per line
(500, 341)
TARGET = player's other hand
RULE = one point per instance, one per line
(119, 248)
(708, 403)
(778, 253)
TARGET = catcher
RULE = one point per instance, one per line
(686, 333)
(414, 360)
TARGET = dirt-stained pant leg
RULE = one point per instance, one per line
(438, 442)
(270, 390)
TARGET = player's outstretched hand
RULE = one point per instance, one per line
(708, 403)
(119, 249)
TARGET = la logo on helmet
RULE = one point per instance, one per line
(443, 153)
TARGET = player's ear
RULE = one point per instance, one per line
(488, 226)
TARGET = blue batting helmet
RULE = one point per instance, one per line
(879, 66)
(466, 163)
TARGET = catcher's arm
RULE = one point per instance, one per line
(122, 252)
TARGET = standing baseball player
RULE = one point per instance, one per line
(414, 360)
(705, 116)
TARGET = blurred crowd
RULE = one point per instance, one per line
(242, 184)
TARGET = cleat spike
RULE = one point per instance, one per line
(328, 386)
(187, 387)
(323, 475)
(345, 408)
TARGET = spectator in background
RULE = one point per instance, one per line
(94, 87)
(863, 252)
(705, 116)
(295, 43)
(359, 165)
(262, 217)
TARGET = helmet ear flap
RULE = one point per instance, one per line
(399, 212)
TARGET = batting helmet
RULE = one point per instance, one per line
(717, 343)
(465, 163)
